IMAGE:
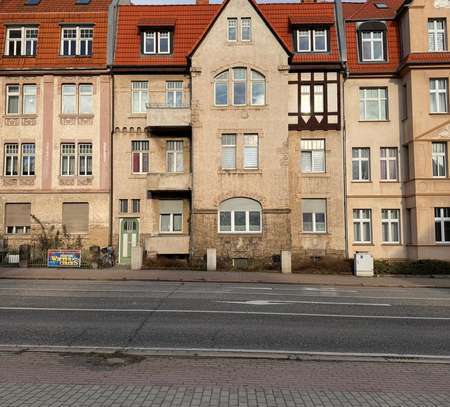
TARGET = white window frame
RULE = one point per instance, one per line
(440, 158)
(434, 33)
(175, 149)
(387, 159)
(10, 94)
(257, 78)
(372, 40)
(174, 88)
(389, 220)
(360, 159)
(68, 156)
(232, 22)
(247, 223)
(225, 147)
(360, 221)
(251, 143)
(139, 88)
(171, 223)
(141, 152)
(249, 28)
(28, 152)
(29, 90)
(312, 36)
(135, 205)
(12, 152)
(440, 219)
(86, 90)
(79, 30)
(314, 219)
(123, 205)
(23, 40)
(64, 87)
(381, 99)
(218, 80)
(157, 35)
(85, 155)
(236, 81)
(435, 92)
(315, 149)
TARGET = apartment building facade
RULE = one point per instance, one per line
(55, 122)
(319, 128)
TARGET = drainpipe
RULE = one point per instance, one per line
(340, 26)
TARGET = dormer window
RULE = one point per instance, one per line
(372, 41)
(312, 40)
(77, 41)
(21, 41)
(156, 42)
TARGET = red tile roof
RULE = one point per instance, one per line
(49, 15)
(427, 58)
(369, 11)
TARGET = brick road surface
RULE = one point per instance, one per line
(50, 380)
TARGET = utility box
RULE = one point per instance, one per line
(137, 254)
(363, 264)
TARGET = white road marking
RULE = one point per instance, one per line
(250, 288)
(189, 311)
(268, 302)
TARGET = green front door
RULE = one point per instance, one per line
(129, 237)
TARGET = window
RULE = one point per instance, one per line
(11, 159)
(75, 217)
(361, 164)
(69, 99)
(439, 159)
(362, 225)
(246, 29)
(171, 216)
(306, 104)
(68, 156)
(85, 158)
(228, 151)
(140, 157)
(86, 94)
(221, 89)
(12, 99)
(232, 29)
(139, 98)
(313, 155)
(312, 40)
(258, 89)
(174, 94)
(77, 41)
(239, 86)
(156, 42)
(240, 215)
(389, 164)
(136, 205)
(123, 205)
(28, 159)
(373, 104)
(29, 99)
(442, 225)
(21, 41)
(175, 156)
(438, 95)
(390, 224)
(437, 35)
(18, 218)
(314, 215)
(251, 151)
(372, 46)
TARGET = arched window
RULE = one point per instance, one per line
(221, 89)
(258, 89)
(242, 95)
(240, 215)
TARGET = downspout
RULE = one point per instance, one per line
(340, 25)
(112, 22)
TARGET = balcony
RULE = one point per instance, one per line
(169, 182)
(161, 116)
(176, 244)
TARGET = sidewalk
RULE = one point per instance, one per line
(120, 274)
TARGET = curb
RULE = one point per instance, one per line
(231, 354)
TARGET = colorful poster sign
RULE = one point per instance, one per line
(64, 258)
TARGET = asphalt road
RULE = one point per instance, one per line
(225, 316)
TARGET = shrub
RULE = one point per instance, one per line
(418, 267)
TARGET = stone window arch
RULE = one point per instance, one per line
(240, 215)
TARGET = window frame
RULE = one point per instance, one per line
(71, 157)
(249, 146)
(10, 94)
(30, 157)
(249, 28)
(312, 35)
(364, 99)
(123, 205)
(177, 154)
(228, 147)
(314, 218)
(14, 160)
(23, 40)
(360, 221)
(156, 34)
(305, 150)
(388, 159)
(389, 221)
(441, 220)
(174, 90)
(436, 156)
(360, 160)
(142, 153)
(435, 32)
(87, 157)
(435, 92)
(232, 20)
(372, 41)
(141, 92)
(239, 81)
(78, 41)
(171, 230)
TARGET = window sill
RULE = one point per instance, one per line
(386, 181)
(21, 116)
(361, 182)
(316, 233)
(76, 115)
(391, 244)
(138, 116)
(374, 121)
(19, 56)
(241, 107)
(247, 234)
(315, 175)
(439, 113)
(240, 171)
(76, 56)
(362, 244)
(169, 234)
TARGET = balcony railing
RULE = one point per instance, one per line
(169, 115)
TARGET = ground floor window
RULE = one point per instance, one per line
(314, 215)
(390, 224)
(75, 217)
(171, 216)
(442, 224)
(18, 218)
(362, 225)
(240, 215)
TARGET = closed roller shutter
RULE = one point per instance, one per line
(18, 214)
(75, 217)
